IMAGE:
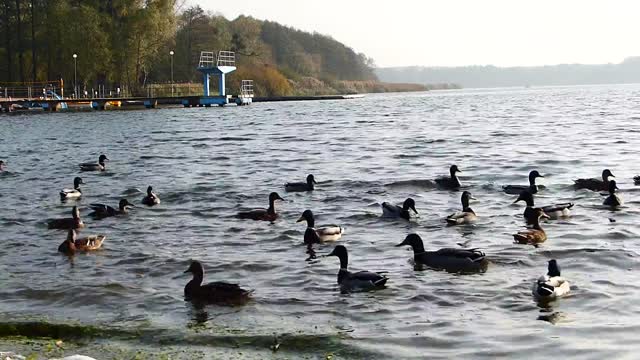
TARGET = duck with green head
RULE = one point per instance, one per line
(452, 182)
(532, 187)
(103, 211)
(595, 184)
(215, 292)
(449, 259)
(402, 212)
(75, 193)
(355, 281)
(268, 214)
(100, 166)
(552, 285)
(467, 215)
(319, 234)
(301, 186)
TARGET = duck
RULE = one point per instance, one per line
(534, 235)
(595, 184)
(268, 214)
(74, 223)
(74, 193)
(551, 286)
(358, 281)
(636, 179)
(451, 182)
(103, 211)
(324, 233)
(216, 292)
(151, 199)
(301, 186)
(467, 215)
(100, 166)
(449, 259)
(2, 164)
(613, 200)
(395, 211)
(517, 189)
(554, 211)
(73, 244)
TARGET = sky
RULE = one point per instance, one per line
(461, 32)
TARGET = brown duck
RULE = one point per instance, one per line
(73, 243)
(69, 223)
(216, 292)
(535, 234)
(268, 214)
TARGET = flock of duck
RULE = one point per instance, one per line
(457, 260)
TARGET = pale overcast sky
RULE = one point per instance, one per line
(462, 32)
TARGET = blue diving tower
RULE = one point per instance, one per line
(220, 66)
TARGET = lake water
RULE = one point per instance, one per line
(208, 164)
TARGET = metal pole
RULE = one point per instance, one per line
(75, 78)
(171, 53)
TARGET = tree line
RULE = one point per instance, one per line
(128, 43)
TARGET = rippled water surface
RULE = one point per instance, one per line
(208, 164)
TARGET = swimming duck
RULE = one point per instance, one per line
(74, 223)
(74, 193)
(87, 243)
(263, 214)
(554, 211)
(451, 182)
(595, 184)
(100, 166)
(215, 292)
(612, 200)
(551, 286)
(359, 281)
(301, 186)
(321, 233)
(636, 179)
(151, 199)
(2, 165)
(395, 211)
(467, 215)
(103, 211)
(448, 259)
(535, 234)
(517, 189)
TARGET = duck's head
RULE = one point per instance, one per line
(124, 203)
(306, 215)
(75, 212)
(415, 241)
(533, 175)
(195, 268)
(553, 269)
(409, 204)
(102, 159)
(538, 213)
(77, 181)
(341, 252)
(613, 186)
(465, 197)
(149, 190)
(1, 165)
(454, 169)
(311, 179)
(274, 196)
(526, 197)
(606, 173)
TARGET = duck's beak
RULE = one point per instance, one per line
(472, 198)
(401, 244)
(414, 209)
(301, 219)
(187, 271)
(515, 202)
(545, 216)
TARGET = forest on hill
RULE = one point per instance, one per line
(628, 71)
(127, 43)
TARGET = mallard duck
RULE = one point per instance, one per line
(535, 234)
(551, 286)
(395, 211)
(100, 166)
(87, 243)
(74, 223)
(452, 182)
(595, 184)
(215, 292)
(323, 233)
(301, 186)
(448, 259)
(517, 189)
(263, 214)
(554, 211)
(151, 199)
(74, 193)
(467, 215)
(103, 211)
(359, 281)
(612, 200)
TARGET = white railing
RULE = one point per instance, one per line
(226, 58)
(246, 88)
(207, 59)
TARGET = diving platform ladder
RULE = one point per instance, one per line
(211, 64)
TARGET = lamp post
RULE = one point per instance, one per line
(75, 79)
(171, 53)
